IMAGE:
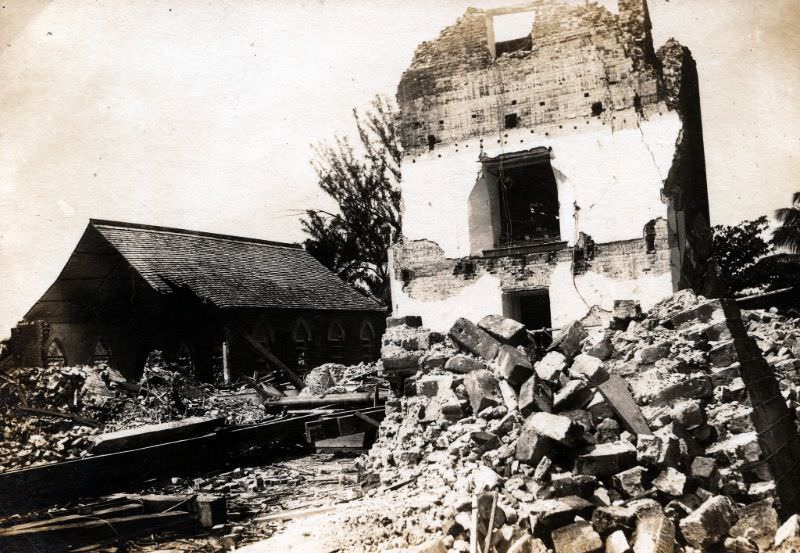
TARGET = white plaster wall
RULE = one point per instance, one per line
(484, 297)
(614, 175)
(480, 298)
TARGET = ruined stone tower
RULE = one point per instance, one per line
(549, 171)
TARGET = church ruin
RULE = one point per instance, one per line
(553, 161)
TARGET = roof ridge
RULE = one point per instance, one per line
(173, 230)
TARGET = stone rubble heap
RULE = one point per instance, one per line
(632, 435)
(99, 399)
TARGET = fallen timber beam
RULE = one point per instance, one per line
(268, 355)
(152, 434)
(60, 414)
(344, 424)
(95, 475)
(364, 398)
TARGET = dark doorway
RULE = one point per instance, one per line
(528, 197)
(531, 308)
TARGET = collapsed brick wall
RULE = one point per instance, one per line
(27, 344)
(426, 273)
(585, 61)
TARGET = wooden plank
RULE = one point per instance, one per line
(110, 512)
(268, 355)
(152, 434)
(344, 424)
(60, 414)
(110, 525)
(355, 398)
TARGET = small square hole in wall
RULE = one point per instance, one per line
(597, 108)
(511, 121)
(541, 103)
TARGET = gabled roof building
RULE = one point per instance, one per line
(203, 298)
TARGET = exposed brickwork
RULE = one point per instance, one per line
(584, 62)
(429, 275)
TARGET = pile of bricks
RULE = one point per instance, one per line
(633, 435)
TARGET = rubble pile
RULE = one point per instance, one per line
(50, 414)
(335, 378)
(632, 436)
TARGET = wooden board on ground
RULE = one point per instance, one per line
(353, 442)
(151, 434)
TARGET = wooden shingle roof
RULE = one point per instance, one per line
(221, 270)
(231, 271)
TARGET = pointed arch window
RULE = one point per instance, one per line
(302, 342)
(55, 355)
(101, 354)
(336, 341)
(368, 343)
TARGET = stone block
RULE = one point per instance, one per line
(433, 360)
(575, 394)
(649, 354)
(435, 385)
(578, 537)
(535, 395)
(513, 365)
(435, 545)
(629, 482)
(505, 330)
(757, 522)
(708, 525)
(567, 484)
(551, 366)
(395, 358)
(789, 529)
(483, 390)
(616, 393)
(670, 482)
(510, 398)
(610, 518)
(599, 344)
(655, 533)
(709, 311)
(561, 430)
(413, 321)
(463, 364)
(589, 368)
(554, 513)
(568, 340)
(607, 459)
(616, 542)
(625, 311)
(478, 342)
(532, 447)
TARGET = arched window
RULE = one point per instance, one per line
(264, 335)
(302, 342)
(367, 338)
(183, 359)
(101, 354)
(336, 342)
(55, 355)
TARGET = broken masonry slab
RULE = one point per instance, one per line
(575, 394)
(513, 365)
(561, 430)
(578, 537)
(568, 340)
(483, 390)
(615, 391)
(504, 329)
(708, 525)
(478, 342)
(655, 533)
(607, 459)
(413, 321)
(461, 363)
(535, 395)
(551, 366)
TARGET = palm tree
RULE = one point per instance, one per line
(783, 267)
(787, 236)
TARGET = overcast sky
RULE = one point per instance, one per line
(199, 114)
